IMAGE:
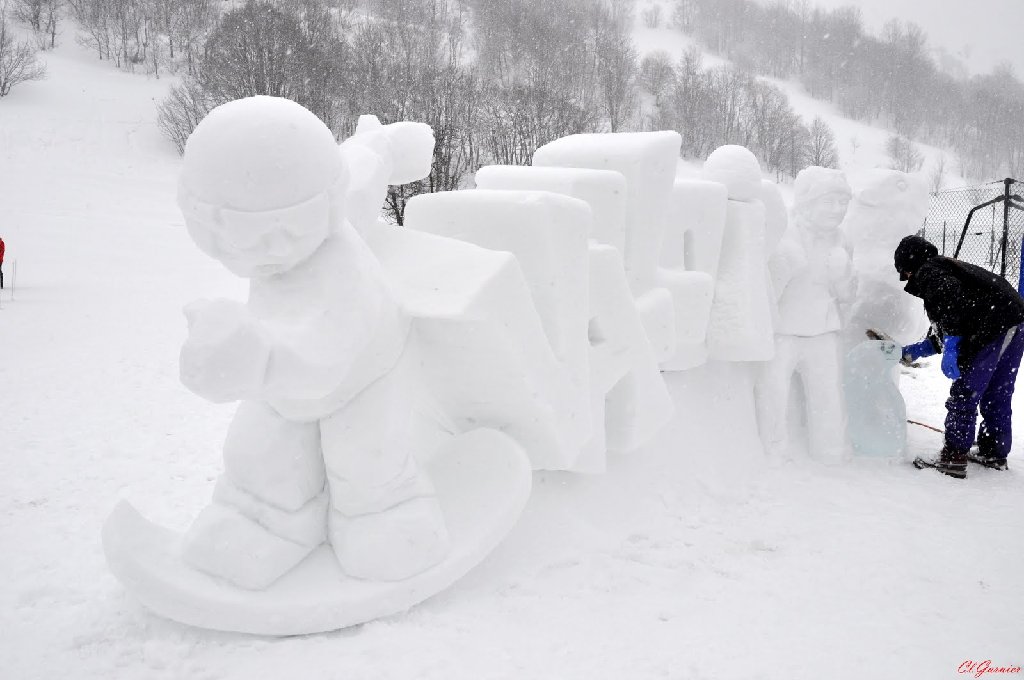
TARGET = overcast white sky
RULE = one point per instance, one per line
(981, 32)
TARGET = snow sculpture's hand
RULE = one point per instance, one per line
(412, 151)
(226, 354)
(838, 265)
(405, 149)
(950, 354)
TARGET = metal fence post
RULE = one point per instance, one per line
(1006, 223)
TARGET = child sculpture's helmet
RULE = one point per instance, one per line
(261, 181)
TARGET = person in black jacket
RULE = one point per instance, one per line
(978, 317)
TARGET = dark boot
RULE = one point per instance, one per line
(949, 462)
(984, 455)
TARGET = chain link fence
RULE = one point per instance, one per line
(982, 245)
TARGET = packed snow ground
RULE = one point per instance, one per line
(692, 559)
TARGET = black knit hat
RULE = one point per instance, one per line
(911, 253)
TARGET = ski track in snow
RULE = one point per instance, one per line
(692, 559)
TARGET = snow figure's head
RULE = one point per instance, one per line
(737, 168)
(888, 206)
(820, 199)
(261, 185)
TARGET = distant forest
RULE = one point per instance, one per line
(890, 78)
(498, 78)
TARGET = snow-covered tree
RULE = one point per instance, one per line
(18, 61)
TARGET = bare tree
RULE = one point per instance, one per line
(937, 176)
(821, 145)
(656, 73)
(183, 110)
(652, 16)
(904, 154)
(18, 62)
(29, 12)
(617, 74)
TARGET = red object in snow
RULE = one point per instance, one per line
(1, 251)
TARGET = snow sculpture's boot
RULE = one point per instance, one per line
(269, 508)
(391, 545)
(949, 462)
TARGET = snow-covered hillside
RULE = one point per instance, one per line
(692, 559)
(861, 146)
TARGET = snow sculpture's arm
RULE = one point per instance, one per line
(377, 156)
(230, 355)
(784, 263)
(840, 275)
(226, 355)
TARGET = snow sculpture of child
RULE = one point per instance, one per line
(321, 448)
(810, 274)
(740, 326)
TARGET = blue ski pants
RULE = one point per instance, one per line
(985, 383)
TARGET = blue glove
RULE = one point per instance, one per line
(950, 350)
(918, 350)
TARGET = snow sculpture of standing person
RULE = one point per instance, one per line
(811, 275)
(321, 447)
(740, 326)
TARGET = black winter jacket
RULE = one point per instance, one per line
(966, 300)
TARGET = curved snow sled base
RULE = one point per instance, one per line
(482, 479)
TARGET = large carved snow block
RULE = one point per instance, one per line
(486, 356)
(546, 232)
(548, 235)
(603, 190)
(648, 162)
(695, 226)
(627, 385)
(691, 247)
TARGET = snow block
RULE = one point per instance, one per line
(603, 190)
(692, 293)
(548, 235)
(691, 247)
(695, 227)
(657, 313)
(627, 385)
(485, 356)
(648, 162)
(740, 328)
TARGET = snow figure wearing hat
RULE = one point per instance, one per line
(810, 273)
(321, 446)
